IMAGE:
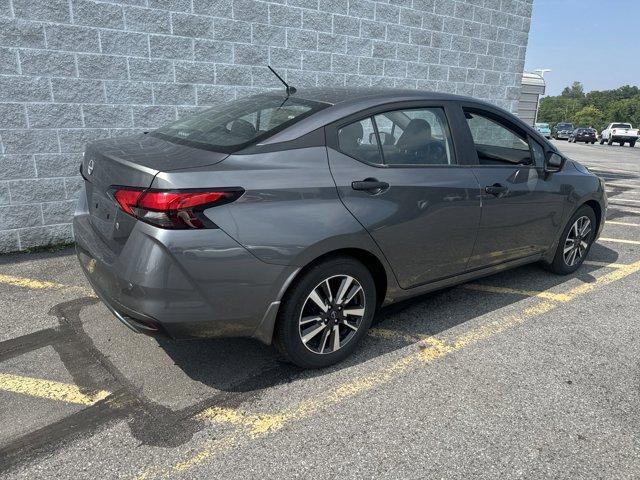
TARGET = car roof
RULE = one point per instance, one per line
(336, 95)
(344, 101)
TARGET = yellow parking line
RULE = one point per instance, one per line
(625, 224)
(49, 389)
(389, 334)
(619, 240)
(557, 297)
(257, 423)
(622, 199)
(40, 284)
(431, 349)
(604, 264)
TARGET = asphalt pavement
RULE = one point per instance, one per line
(520, 375)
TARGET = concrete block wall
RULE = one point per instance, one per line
(76, 70)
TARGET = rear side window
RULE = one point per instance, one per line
(359, 140)
(497, 144)
(400, 137)
(234, 125)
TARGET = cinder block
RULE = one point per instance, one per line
(21, 33)
(12, 115)
(124, 43)
(15, 167)
(72, 90)
(52, 115)
(129, 93)
(29, 141)
(147, 20)
(47, 63)
(73, 39)
(105, 67)
(174, 94)
(43, 236)
(37, 190)
(49, 11)
(97, 14)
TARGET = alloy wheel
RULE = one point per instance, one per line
(577, 241)
(332, 314)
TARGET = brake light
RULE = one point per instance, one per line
(173, 209)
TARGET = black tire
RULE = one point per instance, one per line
(610, 141)
(288, 333)
(593, 142)
(602, 141)
(559, 265)
(632, 143)
(621, 144)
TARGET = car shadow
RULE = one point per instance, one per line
(222, 363)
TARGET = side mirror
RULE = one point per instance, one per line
(554, 163)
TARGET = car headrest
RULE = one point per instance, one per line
(415, 136)
(350, 136)
(242, 128)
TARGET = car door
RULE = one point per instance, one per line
(522, 205)
(398, 173)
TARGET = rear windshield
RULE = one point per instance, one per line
(542, 125)
(620, 125)
(232, 126)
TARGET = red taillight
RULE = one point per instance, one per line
(173, 209)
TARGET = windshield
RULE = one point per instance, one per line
(621, 125)
(542, 125)
(564, 126)
(232, 126)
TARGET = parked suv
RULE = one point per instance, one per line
(562, 131)
(292, 218)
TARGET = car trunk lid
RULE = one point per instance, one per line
(130, 162)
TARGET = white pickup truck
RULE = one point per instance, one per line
(619, 133)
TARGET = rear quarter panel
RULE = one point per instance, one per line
(290, 213)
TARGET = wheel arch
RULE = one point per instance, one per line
(382, 279)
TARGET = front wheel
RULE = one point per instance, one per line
(602, 141)
(575, 242)
(326, 313)
(632, 143)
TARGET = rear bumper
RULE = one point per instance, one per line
(195, 283)
(626, 138)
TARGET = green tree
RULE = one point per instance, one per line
(597, 108)
(627, 110)
(575, 91)
(589, 116)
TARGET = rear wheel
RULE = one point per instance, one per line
(601, 141)
(575, 242)
(621, 144)
(326, 313)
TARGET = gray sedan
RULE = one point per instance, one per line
(291, 218)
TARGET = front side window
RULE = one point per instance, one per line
(231, 126)
(495, 143)
(538, 153)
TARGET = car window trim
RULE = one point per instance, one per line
(445, 105)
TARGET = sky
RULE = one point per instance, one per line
(595, 42)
